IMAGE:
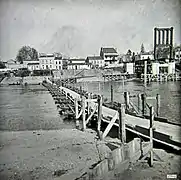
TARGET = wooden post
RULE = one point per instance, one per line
(158, 104)
(83, 113)
(145, 73)
(88, 107)
(77, 124)
(111, 94)
(126, 100)
(122, 130)
(99, 100)
(81, 90)
(76, 108)
(143, 98)
(151, 134)
(139, 102)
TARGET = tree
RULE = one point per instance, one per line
(2, 65)
(27, 53)
(142, 48)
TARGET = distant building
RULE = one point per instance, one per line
(146, 55)
(13, 64)
(96, 61)
(166, 67)
(177, 53)
(51, 61)
(78, 63)
(33, 66)
(109, 55)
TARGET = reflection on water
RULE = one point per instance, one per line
(28, 108)
(170, 93)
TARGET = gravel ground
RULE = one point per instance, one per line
(45, 155)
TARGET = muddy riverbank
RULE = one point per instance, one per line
(46, 155)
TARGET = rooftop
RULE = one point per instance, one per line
(33, 63)
(108, 50)
(94, 57)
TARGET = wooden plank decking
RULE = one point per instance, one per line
(164, 133)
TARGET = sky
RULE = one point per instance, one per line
(82, 27)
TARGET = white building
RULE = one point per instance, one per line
(109, 55)
(129, 67)
(33, 66)
(158, 68)
(50, 61)
(96, 61)
(78, 64)
(13, 64)
(146, 55)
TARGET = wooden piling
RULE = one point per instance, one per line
(99, 100)
(151, 134)
(83, 113)
(139, 102)
(143, 99)
(111, 94)
(145, 73)
(158, 104)
(126, 100)
(122, 128)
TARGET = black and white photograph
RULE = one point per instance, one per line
(90, 89)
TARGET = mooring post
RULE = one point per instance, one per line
(145, 73)
(80, 90)
(99, 101)
(77, 123)
(111, 94)
(88, 104)
(122, 130)
(139, 102)
(83, 113)
(158, 104)
(151, 134)
(76, 108)
(126, 100)
(143, 99)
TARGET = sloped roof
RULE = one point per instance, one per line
(33, 63)
(79, 64)
(94, 57)
(109, 50)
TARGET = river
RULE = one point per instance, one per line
(32, 107)
(170, 94)
(28, 108)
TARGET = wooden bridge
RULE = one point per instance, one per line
(85, 106)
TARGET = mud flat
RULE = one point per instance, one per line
(47, 155)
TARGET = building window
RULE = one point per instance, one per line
(59, 62)
(50, 66)
(56, 63)
(46, 61)
(42, 61)
(59, 67)
(56, 67)
(43, 66)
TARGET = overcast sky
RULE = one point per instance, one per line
(81, 27)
